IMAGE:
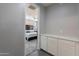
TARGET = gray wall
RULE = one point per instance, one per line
(42, 19)
(63, 20)
(12, 29)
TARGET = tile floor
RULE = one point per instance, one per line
(30, 46)
(30, 49)
(39, 53)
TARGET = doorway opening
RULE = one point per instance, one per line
(31, 28)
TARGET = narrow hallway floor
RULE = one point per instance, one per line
(30, 46)
(39, 53)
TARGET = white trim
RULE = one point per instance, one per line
(61, 37)
(38, 38)
(38, 43)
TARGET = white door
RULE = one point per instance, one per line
(66, 48)
(44, 43)
(52, 46)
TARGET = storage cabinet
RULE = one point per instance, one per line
(59, 47)
(44, 43)
(66, 48)
(52, 46)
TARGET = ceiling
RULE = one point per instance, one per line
(46, 4)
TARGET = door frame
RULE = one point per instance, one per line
(38, 36)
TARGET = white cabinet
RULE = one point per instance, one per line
(59, 47)
(66, 48)
(77, 49)
(52, 46)
(44, 43)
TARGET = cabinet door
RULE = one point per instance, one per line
(66, 48)
(44, 43)
(52, 46)
(77, 48)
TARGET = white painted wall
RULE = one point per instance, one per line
(62, 20)
(42, 19)
(12, 29)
